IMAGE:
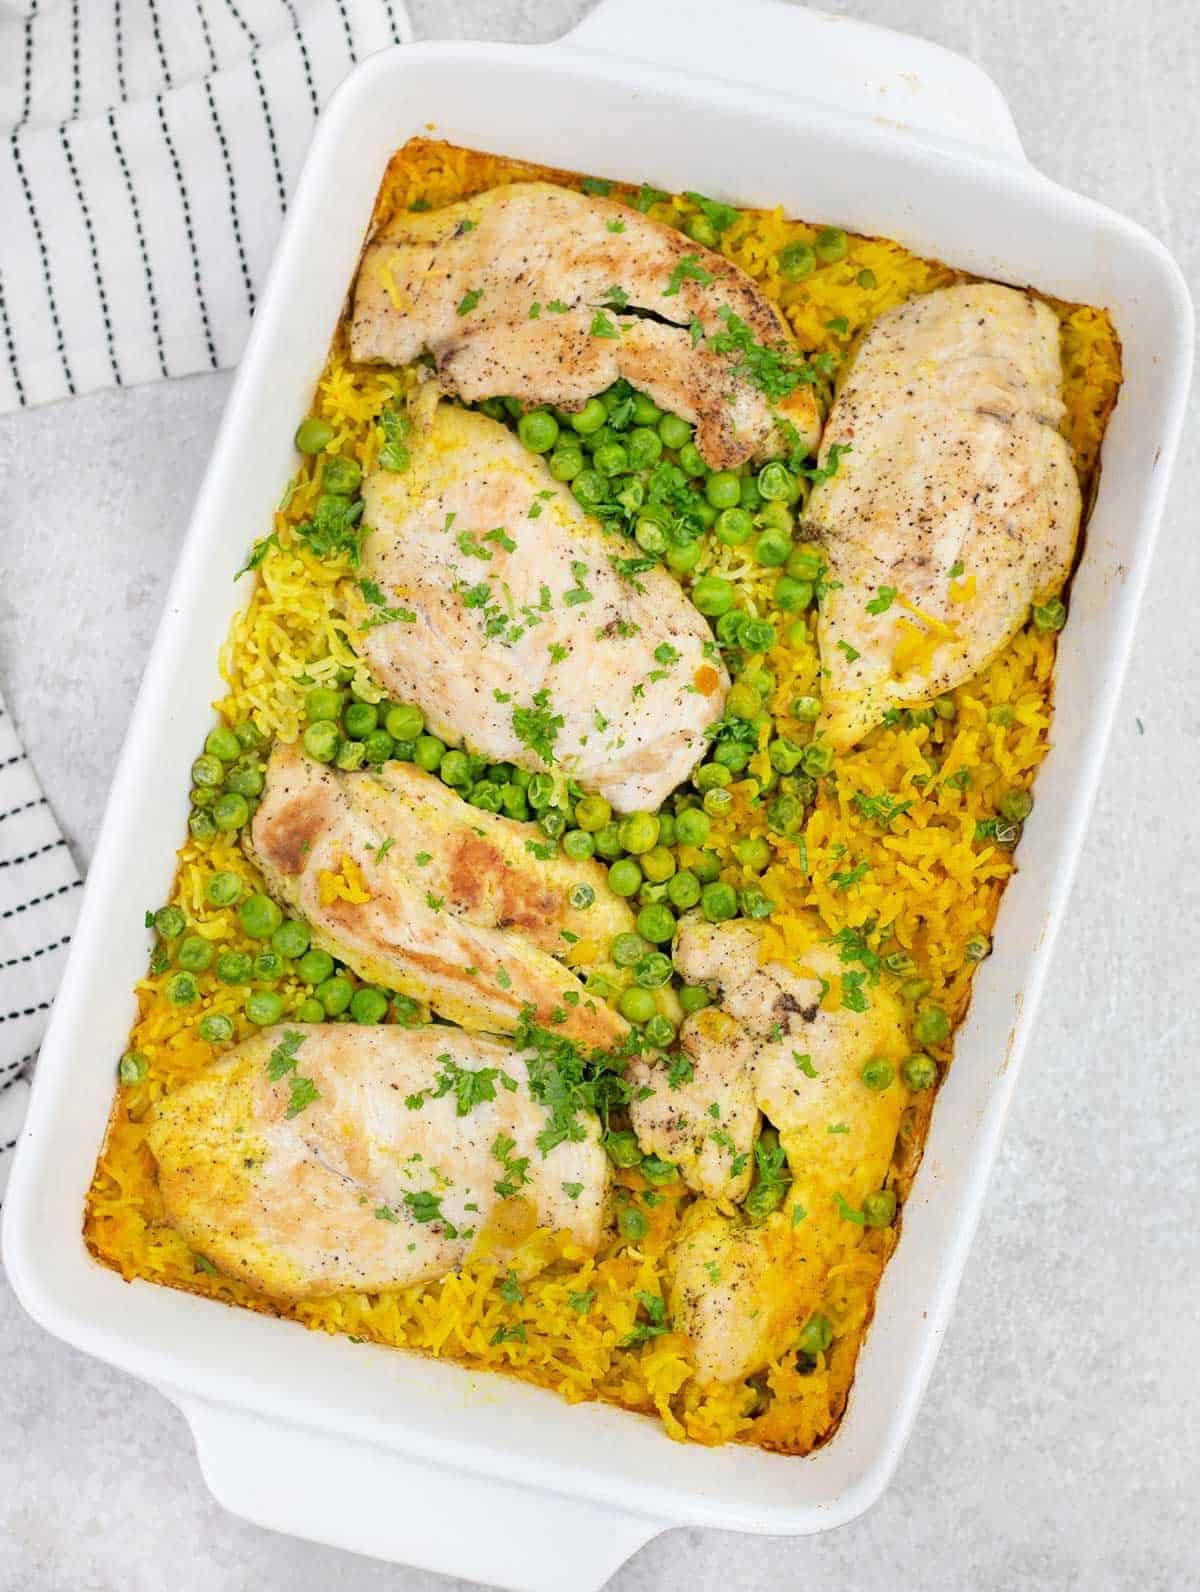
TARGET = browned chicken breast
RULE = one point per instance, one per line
(957, 506)
(540, 293)
(525, 640)
(329, 1157)
(418, 891)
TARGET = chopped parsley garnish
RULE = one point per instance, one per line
(774, 372)
(603, 327)
(427, 1207)
(433, 902)
(334, 530)
(665, 653)
(582, 1302)
(805, 1064)
(882, 809)
(654, 1326)
(721, 216)
(537, 726)
(596, 185)
(883, 600)
(381, 612)
(578, 593)
(847, 1212)
(394, 454)
(688, 268)
(469, 300)
(852, 653)
(515, 1334)
(509, 1289)
(618, 298)
(615, 226)
(515, 1168)
(956, 570)
(535, 309)
(384, 1213)
(572, 1190)
(257, 553)
(648, 196)
(557, 307)
(282, 1061)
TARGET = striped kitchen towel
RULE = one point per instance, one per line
(150, 147)
(39, 898)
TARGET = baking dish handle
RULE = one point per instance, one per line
(369, 1500)
(850, 66)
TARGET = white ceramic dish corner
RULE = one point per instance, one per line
(387, 1453)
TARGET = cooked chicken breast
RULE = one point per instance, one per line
(329, 1157)
(418, 891)
(504, 290)
(956, 508)
(806, 1061)
(732, 1294)
(706, 1123)
(527, 643)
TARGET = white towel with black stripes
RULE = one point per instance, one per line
(39, 899)
(149, 150)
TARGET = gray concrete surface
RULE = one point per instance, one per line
(1059, 1445)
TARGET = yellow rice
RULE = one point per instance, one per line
(924, 877)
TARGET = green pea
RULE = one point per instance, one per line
(718, 902)
(216, 1028)
(335, 995)
(195, 953)
(322, 702)
(866, 278)
(713, 595)
(428, 753)
(222, 889)
(361, 718)
(722, 489)
(245, 780)
(341, 476)
(806, 708)
(756, 635)
(169, 923)
(653, 1168)
(977, 947)
(919, 1071)
(638, 832)
(755, 902)
(455, 769)
(771, 549)
(486, 796)
(259, 916)
(931, 1026)
(660, 1031)
(718, 802)
(880, 1208)
(540, 791)
(624, 877)
(589, 488)
(552, 823)
(611, 459)
(805, 562)
(234, 967)
(733, 526)
(578, 844)
(581, 896)
(777, 517)
(831, 245)
(776, 483)
(321, 740)
(784, 814)
(250, 736)
(796, 261)
(729, 627)
(264, 1007)
(633, 1224)
(1049, 616)
(653, 970)
(793, 595)
(753, 852)
(608, 842)
(674, 432)
(313, 435)
(915, 989)
(204, 795)
(314, 966)
(207, 770)
(657, 864)
(636, 1005)
(711, 776)
(493, 408)
(694, 998)
(818, 758)
(645, 411)
(815, 1336)
(626, 949)
(683, 557)
(878, 1074)
(703, 511)
(309, 1010)
(223, 743)
(650, 537)
(132, 1067)
(231, 811)
(656, 924)
(351, 755)
(683, 890)
(946, 708)
(706, 865)
(566, 463)
(291, 939)
(590, 418)
(692, 827)
(691, 460)
(622, 1148)
(538, 430)
(1016, 805)
(733, 755)
(762, 1199)
(592, 812)
(701, 230)
(785, 755)
(181, 990)
(378, 747)
(749, 497)
(645, 447)
(369, 1005)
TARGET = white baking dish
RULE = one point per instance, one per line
(399, 1456)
